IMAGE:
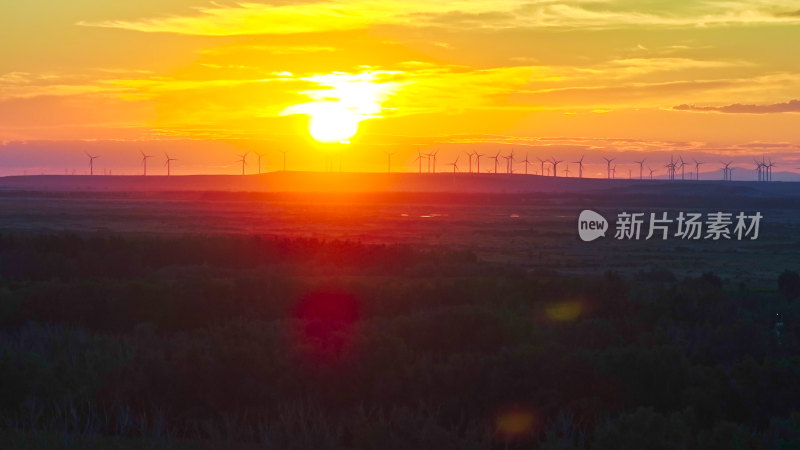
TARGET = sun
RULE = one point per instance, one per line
(341, 102)
(332, 124)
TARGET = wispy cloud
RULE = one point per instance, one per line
(339, 15)
(792, 106)
(272, 49)
(315, 16)
(22, 85)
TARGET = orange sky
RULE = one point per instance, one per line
(206, 81)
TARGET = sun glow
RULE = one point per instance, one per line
(342, 102)
(332, 123)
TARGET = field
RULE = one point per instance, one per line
(140, 318)
(531, 224)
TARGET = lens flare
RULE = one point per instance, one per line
(564, 311)
(515, 423)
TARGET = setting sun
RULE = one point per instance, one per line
(341, 101)
(332, 124)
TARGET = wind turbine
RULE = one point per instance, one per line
(470, 161)
(671, 167)
(284, 159)
(389, 161)
(555, 166)
(580, 166)
(169, 166)
(496, 162)
(566, 171)
(259, 162)
(726, 171)
(651, 172)
(509, 158)
(608, 166)
(527, 163)
(541, 166)
(419, 158)
(683, 168)
(641, 166)
(697, 165)
(144, 162)
(434, 160)
(478, 160)
(769, 170)
(91, 163)
(614, 172)
(760, 169)
(243, 160)
(455, 164)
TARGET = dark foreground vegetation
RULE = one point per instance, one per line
(243, 342)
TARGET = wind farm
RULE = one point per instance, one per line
(593, 172)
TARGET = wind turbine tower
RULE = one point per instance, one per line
(580, 166)
(284, 159)
(541, 166)
(527, 163)
(169, 166)
(509, 159)
(760, 169)
(555, 166)
(478, 161)
(697, 165)
(91, 163)
(259, 155)
(608, 166)
(641, 167)
(726, 171)
(244, 161)
(496, 161)
(144, 162)
(455, 164)
(389, 162)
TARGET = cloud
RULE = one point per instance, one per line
(20, 85)
(315, 16)
(342, 15)
(272, 49)
(792, 106)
